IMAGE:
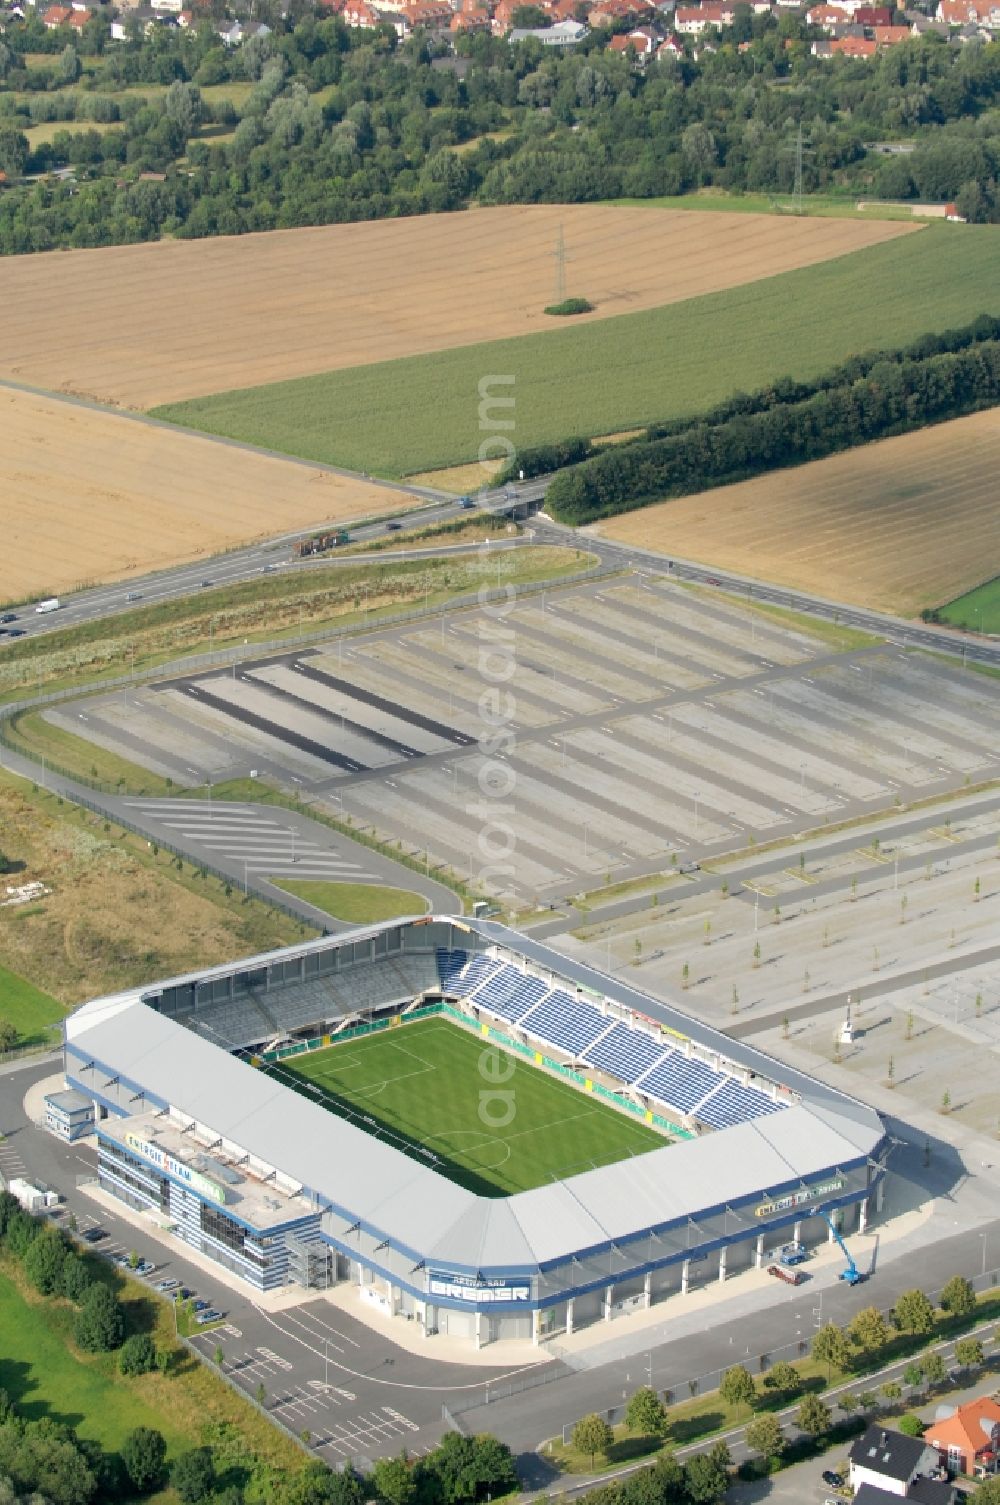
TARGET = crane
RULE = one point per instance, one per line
(852, 1274)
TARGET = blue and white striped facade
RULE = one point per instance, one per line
(258, 1255)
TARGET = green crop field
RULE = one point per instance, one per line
(421, 413)
(427, 1084)
(33, 1013)
(978, 610)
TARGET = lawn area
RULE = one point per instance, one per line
(414, 415)
(40, 135)
(978, 610)
(354, 903)
(43, 1378)
(423, 1083)
(33, 1014)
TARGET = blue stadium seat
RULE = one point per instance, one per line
(733, 1103)
(450, 965)
(625, 1053)
(679, 1081)
(508, 993)
(565, 1021)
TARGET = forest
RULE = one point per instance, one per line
(106, 142)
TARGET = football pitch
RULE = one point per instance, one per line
(491, 1122)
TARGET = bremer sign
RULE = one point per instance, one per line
(797, 1198)
(198, 1183)
(467, 1288)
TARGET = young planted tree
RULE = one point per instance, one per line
(869, 1330)
(593, 1436)
(737, 1387)
(958, 1298)
(783, 1378)
(646, 1413)
(832, 1348)
(913, 1313)
(764, 1435)
(813, 1415)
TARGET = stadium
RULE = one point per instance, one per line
(484, 1137)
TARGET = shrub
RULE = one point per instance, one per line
(138, 1355)
(193, 1474)
(143, 1453)
(100, 1323)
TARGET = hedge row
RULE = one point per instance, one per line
(894, 396)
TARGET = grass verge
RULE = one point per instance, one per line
(354, 903)
(412, 415)
(977, 611)
(268, 609)
(34, 1014)
(830, 633)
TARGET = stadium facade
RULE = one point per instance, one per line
(193, 1130)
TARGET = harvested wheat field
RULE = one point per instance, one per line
(179, 319)
(94, 496)
(899, 525)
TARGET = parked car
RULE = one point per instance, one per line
(144, 1267)
(829, 1477)
(163, 1286)
(93, 1235)
(181, 1294)
(203, 1306)
(210, 1316)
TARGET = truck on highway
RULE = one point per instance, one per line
(319, 544)
(52, 604)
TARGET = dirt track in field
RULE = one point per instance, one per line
(92, 496)
(899, 525)
(141, 325)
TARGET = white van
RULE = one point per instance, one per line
(52, 604)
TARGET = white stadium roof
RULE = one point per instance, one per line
(421, 1211)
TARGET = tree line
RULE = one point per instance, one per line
(704, 1478)
(341, 125)
(777, 428)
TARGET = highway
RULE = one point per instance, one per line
(244, 564)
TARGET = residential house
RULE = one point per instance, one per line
(889, 1460)
(79, 19)
(920, 1492)
(614, 12)
(890, 36)
(469, 21)
(692, 20)
(427, 15)
(827, 17)
(642, 43)
(56, 16)
(856, 47)
(562, 34)
(361, 14)
(232, 33)
(671, 47)
(968, 1441)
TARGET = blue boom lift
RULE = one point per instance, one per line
(852, 1274)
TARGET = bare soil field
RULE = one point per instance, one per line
(91, 496)
(182, 319)
(899, 525)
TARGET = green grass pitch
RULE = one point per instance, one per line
(419, 413)
(424, 1085)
